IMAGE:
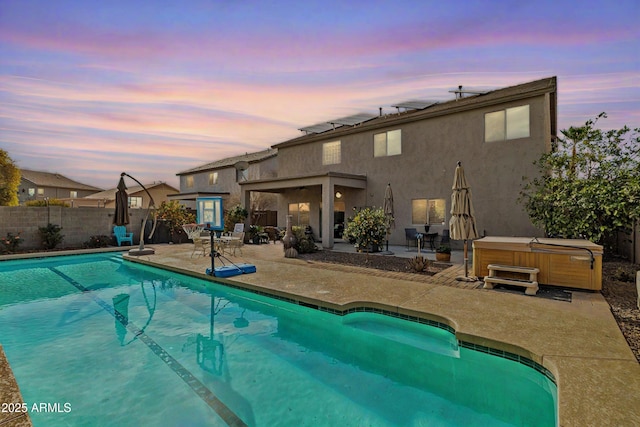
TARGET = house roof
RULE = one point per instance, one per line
(230, 161)
(110, 194)
(511, 93)
(47, 179)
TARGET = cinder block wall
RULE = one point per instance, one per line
(78, 224)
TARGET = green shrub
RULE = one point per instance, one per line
(10, 243)
(51, 235)
(45, 203)
(237, 214)
(100, 241)
(367, 229)
(175, 216)
(305, 243)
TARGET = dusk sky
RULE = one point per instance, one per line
(91, 88)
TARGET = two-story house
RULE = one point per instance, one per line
(345, 164)
(36, 185)
(222, 178)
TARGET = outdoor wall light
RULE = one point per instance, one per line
(338, 195)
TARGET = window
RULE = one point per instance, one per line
(135, 202)
(32, 191)
(40, 191)
(428, 211)
(511, 123)
(387, 143)
(189, 182)
(300, 214)
(242, 175)
(73, 194)
(213, 178)
(331, 153)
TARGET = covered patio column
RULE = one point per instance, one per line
(328, 188)
(245, 197)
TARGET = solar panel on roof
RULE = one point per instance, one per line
(319, 128)
(356, 119)
(353, 120)
(415, 105)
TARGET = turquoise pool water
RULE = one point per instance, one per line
(114, 343)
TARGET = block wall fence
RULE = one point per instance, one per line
(78, 224)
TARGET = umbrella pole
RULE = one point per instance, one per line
(466, 277)
(466, 260)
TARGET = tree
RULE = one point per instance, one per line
(9, 180)
(589, 184)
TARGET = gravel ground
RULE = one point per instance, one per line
(619, 289)
(618, 285)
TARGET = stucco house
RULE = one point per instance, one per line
(36, 185)
(222, 178)
(335, 167)
(138, 198)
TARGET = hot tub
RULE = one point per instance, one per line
(574, 263)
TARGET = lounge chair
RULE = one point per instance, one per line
(120, 231)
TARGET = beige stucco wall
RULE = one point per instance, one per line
(425, 169)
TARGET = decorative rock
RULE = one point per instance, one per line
(291, 253)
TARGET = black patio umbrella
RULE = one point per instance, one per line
(121, 215)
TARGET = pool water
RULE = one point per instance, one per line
(115, 343)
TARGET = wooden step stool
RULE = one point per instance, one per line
(531, 284)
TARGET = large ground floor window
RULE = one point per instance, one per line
(428, 211)
(299, 213)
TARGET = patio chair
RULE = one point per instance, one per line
(236, 243)
(411, 234)
(202, 243)
(120, 231)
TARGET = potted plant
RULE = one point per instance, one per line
(443, 253)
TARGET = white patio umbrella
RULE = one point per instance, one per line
(388, 212)
(462, 225)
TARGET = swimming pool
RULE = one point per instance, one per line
(123, 344)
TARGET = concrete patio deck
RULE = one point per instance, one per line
(579, 342)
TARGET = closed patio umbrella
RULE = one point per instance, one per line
(388, 212)
(462, 225)
(121, 215)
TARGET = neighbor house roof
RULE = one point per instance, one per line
(110, 194)
(494, 97)
(230, 161)
(47, 179)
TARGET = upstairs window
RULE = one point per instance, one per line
(512, 123)
(387, 143)
(242, 175)
(189, 181)
(331, 153)
(213, 178)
